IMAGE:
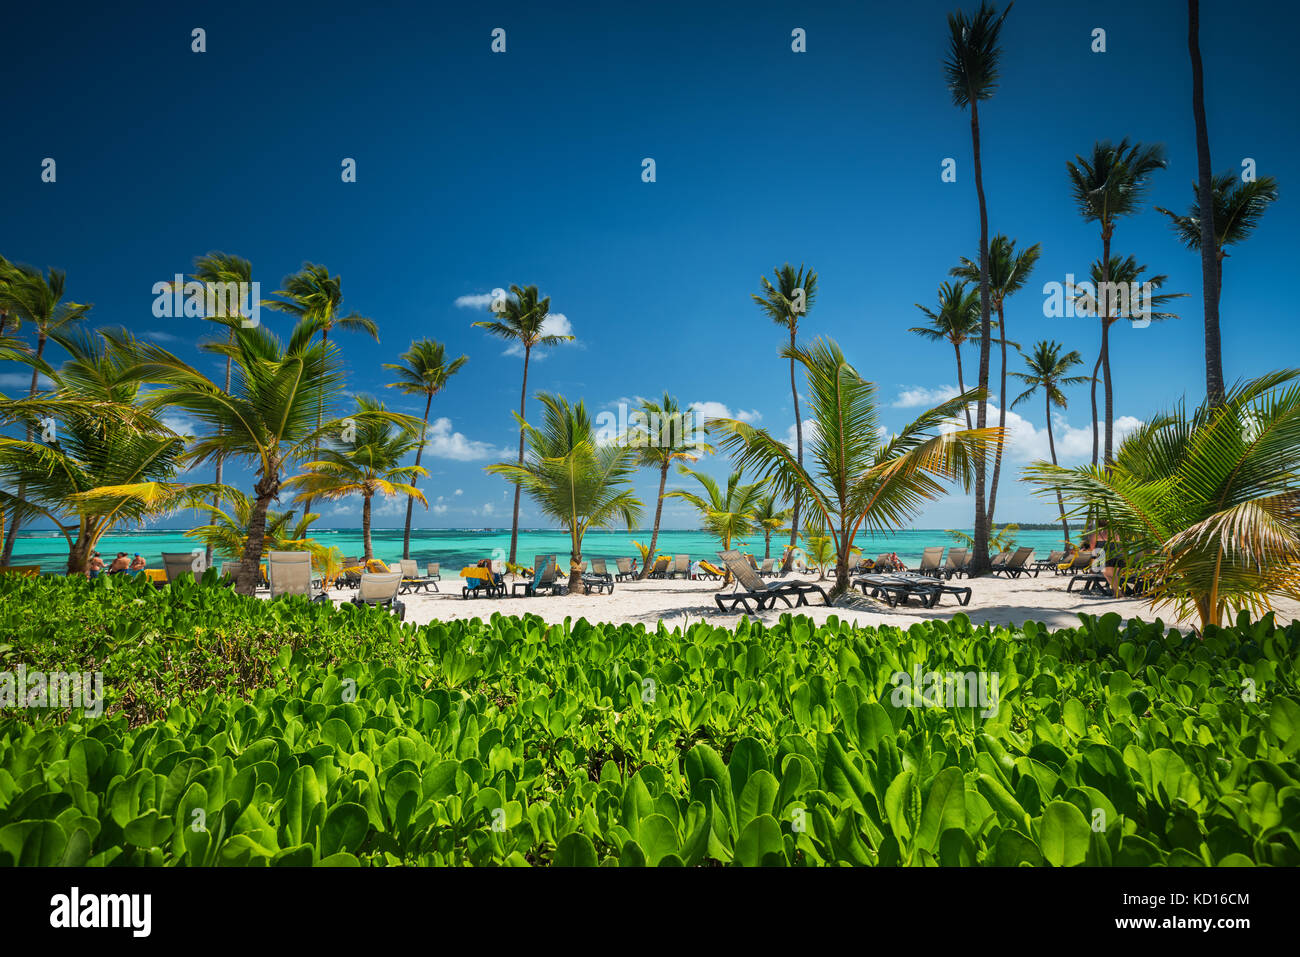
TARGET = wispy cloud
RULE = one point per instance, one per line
(921, 397)
(710, 409)
(478, 300)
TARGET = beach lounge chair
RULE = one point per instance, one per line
(955, 566)
(481, 583)
(290, 574)
(928, 583)
(545, 573)
(599, 569)
(433, 574)
(897, 588)
(1094, 583)
(681, 566)
(598, 578)
(625, 572)
(660, 568)
(380, 588)
(180, 564)
(1081, 562)
(412, 580)
(1051, 561)
(1015, 566)
(768, 568)
(931, 559)
(884, 564)
(710, 571)
(764, 594)
(26, 571)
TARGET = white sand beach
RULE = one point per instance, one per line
(999, 601)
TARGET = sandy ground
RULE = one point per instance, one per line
(1000, 601)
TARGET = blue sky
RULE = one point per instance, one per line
(476, 170)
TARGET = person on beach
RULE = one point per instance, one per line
(119, 564)
(96, 566)
(138, 563)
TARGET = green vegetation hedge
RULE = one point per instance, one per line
(240, 731)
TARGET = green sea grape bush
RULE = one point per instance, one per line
(343, 738)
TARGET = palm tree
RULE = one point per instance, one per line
(579, 482)
(521, 320)
(859, 477)
(1008, 271)
(27, 295)
(784, 304)
(222, 268)
(725, 515)
(770, 518)
(1050, 371)
(227, 532)
(425, 372)
(1237, 208)
(1204, 192)
(971, 72)
(266, 418)
(103, 470)
(314, 296)
(957, 320)
(1123, 274)
(660, 435)
(1204, 504)
(368, 465)
(1108, 185)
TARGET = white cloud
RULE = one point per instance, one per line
(438, 509)
(444, 443)
(921, 397)
(718, 410)
(479, 300)
(1027, 442)
(809, 433)
(180, 425)
(555, 324)
(459, 491)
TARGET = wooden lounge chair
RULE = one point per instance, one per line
(545, 575)
(380, 588)
(931, 558)
(290, 574)
(750, 587)
(625, 570)
(1014, 566)
(955, 566)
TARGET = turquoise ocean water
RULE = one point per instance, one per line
(455, 548)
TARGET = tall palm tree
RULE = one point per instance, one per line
(278, 391)
(770, 518)
(227, 531)
(573, 478)
(858, 476)
(521, 320)
(221, 268)
(660, 436)
(102, 471)
(957, 320)
(1204, 192)
(785, 303)
(1238, 207)
(314, 296)
(1204, 503)
(1008, 271)
(27, 295)
(725, 515)
(1109, 184)
(971, 72)
(424, 370)
(1128, 273)
(368, 465)
(1050, 371)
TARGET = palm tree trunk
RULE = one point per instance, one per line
(575, 561)
(654, 535)
(1051, 447)
(410, 499)
(798, 438)
(979, 562)
(216, 496)
(266, 489)
(1096, 422)
(7, 555)
(365, 529)
(1105, 345)
(961, 382)
(767, 543)
(1002, 415)
(1209, 250)
(523, 398)
(79, 553)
